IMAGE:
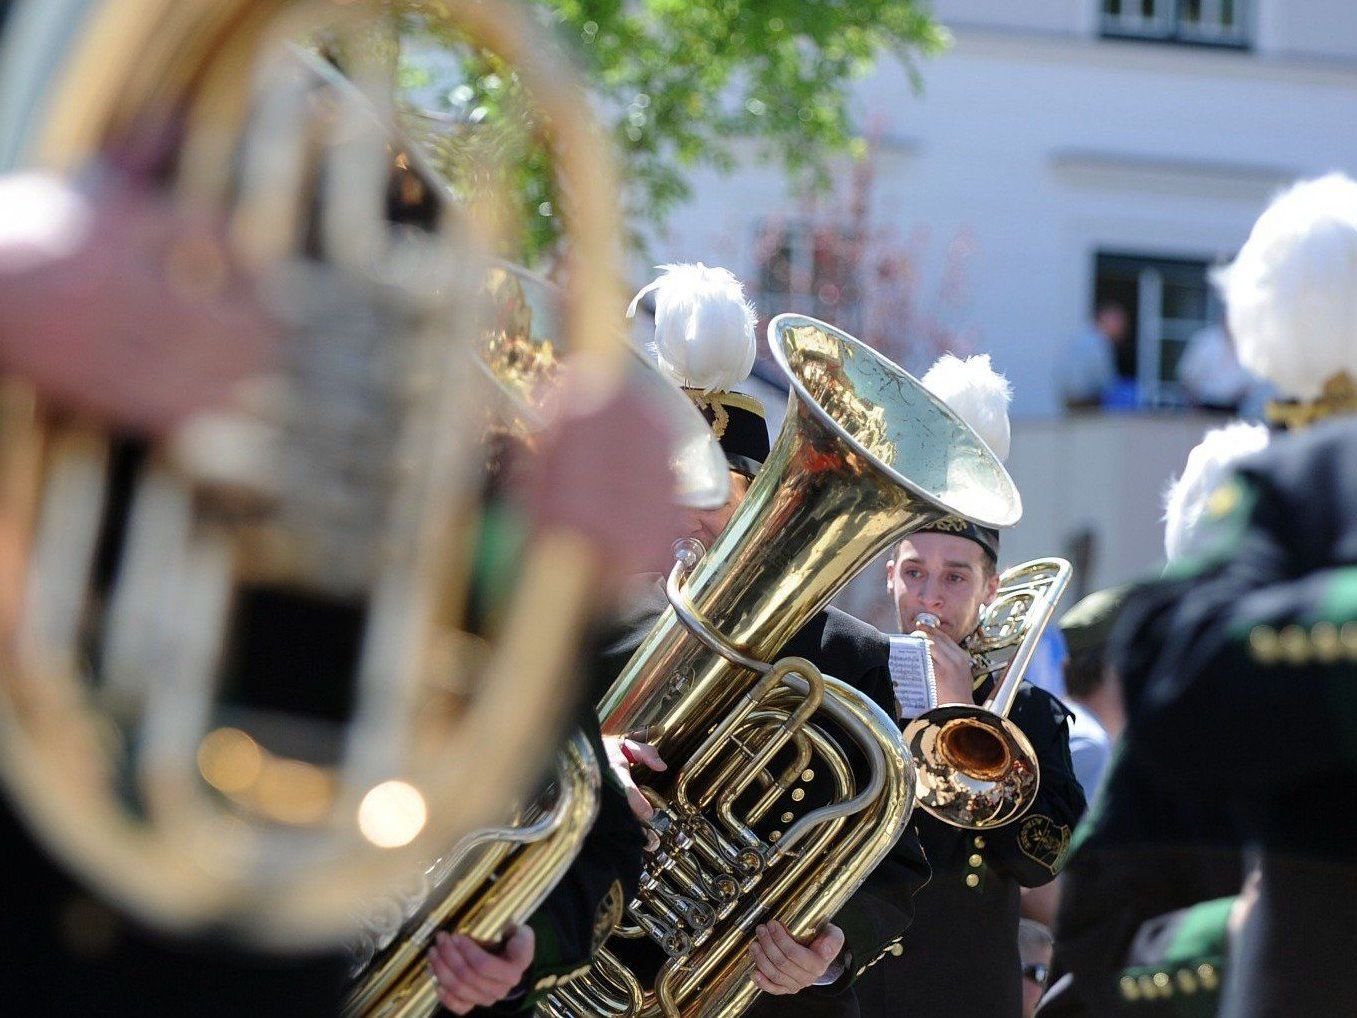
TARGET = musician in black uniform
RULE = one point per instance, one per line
(1245, 653)
(870, 924)
(1153, 879)
(961, 955)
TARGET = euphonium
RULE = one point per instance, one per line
(976, 768)
(865, 456)
(146, 584)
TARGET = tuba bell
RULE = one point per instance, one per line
(976, 768)
(865, 456)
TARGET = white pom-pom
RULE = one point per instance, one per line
(704, 327)
(977, 394)
(1291, 295)
(1207, 467)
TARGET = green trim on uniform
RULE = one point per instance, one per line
(1186, 981)
(1226, 520)
(548, 965)
(1203, 930)
(1097, 807)
(498, 553)
(1338, 604)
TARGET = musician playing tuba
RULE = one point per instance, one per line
(961, 954)
(700, 348)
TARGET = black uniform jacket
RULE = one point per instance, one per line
(961, 955)
(1143, 901)
(1248, 661)
(67, 953)
(577, 916)
(878, 914)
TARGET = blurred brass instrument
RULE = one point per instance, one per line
(976, 768)
(492, 880)
(865, 456)
(496, 878)
(337, 501)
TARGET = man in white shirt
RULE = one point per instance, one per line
(1089, 366)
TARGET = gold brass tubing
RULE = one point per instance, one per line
(767, 891)
(803, 907)
(526, 863)
(776, 789)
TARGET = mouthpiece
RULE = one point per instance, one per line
(927, 620)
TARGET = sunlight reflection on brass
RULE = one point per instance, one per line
(392, 814)
(229, 760)
(293, 792)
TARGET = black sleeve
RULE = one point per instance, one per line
(882, 908)
(1032, 849)
(1124, 957)
(583, 908)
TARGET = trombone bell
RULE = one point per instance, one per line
(975, 769)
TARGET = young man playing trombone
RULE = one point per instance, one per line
(960, 956)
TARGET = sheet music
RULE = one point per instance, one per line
(912, 676)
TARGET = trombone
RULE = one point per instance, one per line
(976, 769)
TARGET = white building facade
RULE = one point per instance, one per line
(1062, 151)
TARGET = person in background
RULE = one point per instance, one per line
(1088, 371)
(1091, 689)
(1034, 948)
(1211, 373)
(1151, 880)
(1256, 629)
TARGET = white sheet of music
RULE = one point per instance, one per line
(912, 676)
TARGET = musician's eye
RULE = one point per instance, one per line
(956, 577)
(912, 574)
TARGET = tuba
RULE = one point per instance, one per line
(865, 456)
(147, 580)
(976, 768)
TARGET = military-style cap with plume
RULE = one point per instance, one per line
(1291, 299)
(979, 395)
(704, 341)
(1208, 464)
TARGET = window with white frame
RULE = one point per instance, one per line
(1167, 301)
(1209, 22)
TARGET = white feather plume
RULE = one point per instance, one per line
(977, 394)
(704, 326)
(1291, 294)
(1208, 465)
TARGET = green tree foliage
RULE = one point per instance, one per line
(680, 82)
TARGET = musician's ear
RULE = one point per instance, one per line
(890, 575)
(991, 584)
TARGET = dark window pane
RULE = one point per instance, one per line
(1170, 353)
(1185, 301)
